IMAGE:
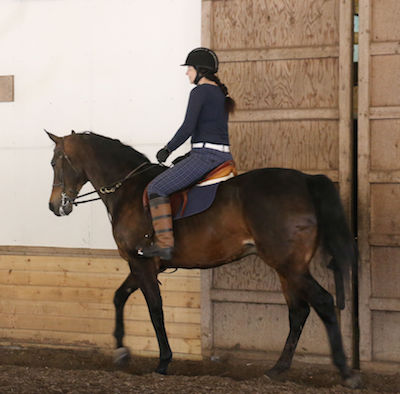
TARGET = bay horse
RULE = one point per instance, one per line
(281, 215)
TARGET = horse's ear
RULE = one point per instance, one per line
(53, 137)
(72, 131)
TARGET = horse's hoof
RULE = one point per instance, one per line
(122, 357)
(274, 372)
(163, 366)
(353, 381)
(161, 371)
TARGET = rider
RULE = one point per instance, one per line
(206, 122)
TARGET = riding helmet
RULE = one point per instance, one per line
(202, 58)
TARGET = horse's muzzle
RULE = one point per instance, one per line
(64, 207)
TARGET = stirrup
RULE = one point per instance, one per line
(156, 251)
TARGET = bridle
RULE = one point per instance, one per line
(65, 199)
(114, 187)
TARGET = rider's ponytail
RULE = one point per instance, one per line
(229, 101)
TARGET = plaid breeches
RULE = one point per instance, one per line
(187, 172)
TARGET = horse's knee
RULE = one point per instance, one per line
(118, 299)
(121, 295)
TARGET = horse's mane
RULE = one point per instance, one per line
(110, 147)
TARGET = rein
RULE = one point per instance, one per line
(113, 188)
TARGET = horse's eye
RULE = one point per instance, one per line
(53, 163)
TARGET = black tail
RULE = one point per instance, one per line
(336, 236)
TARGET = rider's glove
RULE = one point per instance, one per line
(163, 154)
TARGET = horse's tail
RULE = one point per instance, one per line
(334, 231)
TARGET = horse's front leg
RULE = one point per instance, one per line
(122, 354)
(151, 291)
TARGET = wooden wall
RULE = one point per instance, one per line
(288, 66)
(67, 300)
(379, 179)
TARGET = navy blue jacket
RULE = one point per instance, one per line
(206, 119)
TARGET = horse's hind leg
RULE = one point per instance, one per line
(121, 355)
(298, 313)
(323, 303)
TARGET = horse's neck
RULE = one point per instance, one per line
(103, 171)
(108, 172)
(106, 177)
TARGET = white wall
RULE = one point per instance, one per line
(109, 66)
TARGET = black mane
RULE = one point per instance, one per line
(110, 148)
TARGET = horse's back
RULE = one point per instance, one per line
(269, 184)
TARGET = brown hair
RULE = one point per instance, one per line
(229, 101)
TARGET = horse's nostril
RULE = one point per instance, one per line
(51, 206)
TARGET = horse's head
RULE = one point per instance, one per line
(69, 177)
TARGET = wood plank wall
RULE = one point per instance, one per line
(66, 300)
(288, 66)
(379, 180)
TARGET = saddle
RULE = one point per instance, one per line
(179, 200)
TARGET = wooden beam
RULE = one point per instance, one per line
(385, 48)
(392, 112)
(206, 23)
(384, 304)
(55, 251)
(384, 176)
(89, 281)
(243, 55)
(137, 344)
(83, 309)
(79, 294)
(207, 323)
(364, 198)
(254, 297)
(384, 240)
(345, 100)
(284, 114)
(86, 264)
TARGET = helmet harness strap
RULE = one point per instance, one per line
(199, 75)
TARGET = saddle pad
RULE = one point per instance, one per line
(199, 197)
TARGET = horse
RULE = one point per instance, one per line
(282, 215)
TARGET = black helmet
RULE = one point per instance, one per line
(202, 58)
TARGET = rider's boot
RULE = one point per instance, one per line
(161, 216)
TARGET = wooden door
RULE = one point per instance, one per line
(287, 63)
(379, 179)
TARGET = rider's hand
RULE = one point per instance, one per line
(163, 154)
